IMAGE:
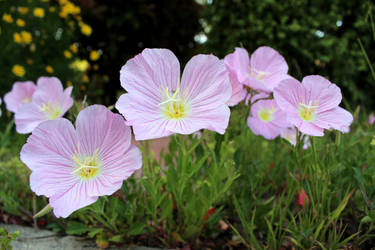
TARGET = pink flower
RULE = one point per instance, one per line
(238, 91)
(303, 199)
(371, 119)
(313, 105)
(159, 104)
(290, 134)
(0, 108)
(267, 119)
(263, 72)
(72, 167)
(21, 93)
(49, 102)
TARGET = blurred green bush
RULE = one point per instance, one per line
(123, 29)
(315, 37)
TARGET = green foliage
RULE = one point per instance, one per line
(239, 178)
(6, 238)
(315, 37)
(122, 29)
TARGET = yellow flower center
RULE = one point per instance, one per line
(51, 111)
(259, 75)
(266, 115)
(26, 100)
(307, 112)
(175, 107)
(86, 167)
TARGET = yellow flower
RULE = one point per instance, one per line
(94, 55)
(63, 2)
(17, 38)
(20, 22)
(39, 12)
(73, 48)
(23, 10)
(85, 29)
(7, 18)
(49, 69)
(85, 78)
(18, 70)
(68, 9)
(80, 65)
(69, 83)
(67, 54)
(26, 37)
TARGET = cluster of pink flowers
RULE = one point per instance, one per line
(310, 106)
(33, 104)
(73, 166)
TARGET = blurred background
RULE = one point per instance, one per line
(85, 42)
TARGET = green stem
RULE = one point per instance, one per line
(197, 143)
(312, 141)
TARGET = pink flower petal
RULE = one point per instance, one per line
(319, 88)
(101, 131)
(268, 131)
(148, 73)
(57, 138)
(210, 117)
(21, 93)
(144, 116)
(48, 153)
(28, 117)
(206, 80)
(238, 63)
(336, 118)
(117, 168)
(49, 93)
(268, 60)
(288, 94)
(75, 198)
(271, 129)
(238, 91)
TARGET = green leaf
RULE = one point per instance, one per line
(76, 228)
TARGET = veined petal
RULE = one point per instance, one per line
(238, 91)
(116, 169)
(327, 94)
(75, 198)
(288, 94)
(148, 74)
(48, 153)
(205, 80)
(99, 130)
(51, 145)
(336, 118)
(238, 63)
